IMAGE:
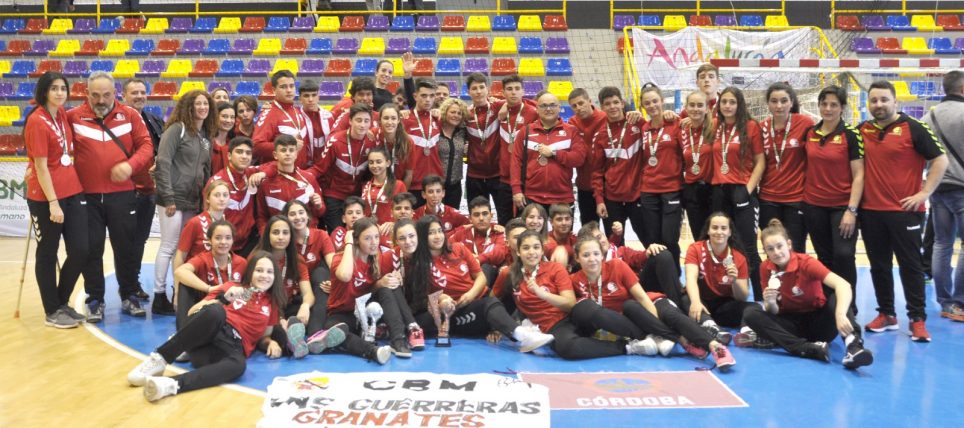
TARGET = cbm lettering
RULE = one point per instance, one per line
(418, 385)
(11, 189)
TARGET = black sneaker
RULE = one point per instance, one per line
(131, 307)
(141, 294)
(73, 313)
(381, 355)
(400, 348)
(857, 356)
(161, 306)
(817, 351)
(95, 311)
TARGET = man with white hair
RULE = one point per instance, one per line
(111, 144)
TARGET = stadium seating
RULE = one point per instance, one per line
(338, 68)
(228, 25)
(16, 48)
(347, 46)
(504, 46)
(21, 68)
(554, 23)
(310, 67)
(278, 24)
(170, 47)
(75, 68)
(725, 21)
(503, 67)
(204, 25)
(623, 21)
(950, 22)
(214, 47)
(302, 24)
(231, 68)
(916, 46)
(104, 65)
(530, 45)
(327, 24)
(531, 88)
(448, 67)
(107, 26)
(331, 90)
(9, 114)
(126, 69)
(246, 88)
(41, 47)
(924, 23)
(364, 67)
(900, 23)
(451, 46)
(47, 65)
(188, 86)
(12, 25)
(674, 22)
(177, 68)
(25, 91)
(481, 23)
(529, 23)
(257, 68)
(60, 26)
(404, 23)
(204, 68)
(903, 91)
(751, 21)
(78, 91)
(243, 47)
(874, 23)
(621, 44)
(849, 23)
(156, 26)
(475, 65)
(558, 67)
(943, 45)
(453, 23)
(152, 68)
(557, 45)
(425, 46)
(162, 91)
(700, 21)
(285, 64)
(890, 45)
(863, 45)
(502, 23)
(352, 24)
(34, 26)
(83, 26)
(253, 24)
(477, 45)
(424, 67)
(776, 21)
(319, 47)
(398, 45)
(130, 26)
(116, 47)
(427, 23)
(560, 89)
(294, 46)
(372, 46)
(179, 25)
(377, 23)
(141, 47)
(531, 67)
(268, 47)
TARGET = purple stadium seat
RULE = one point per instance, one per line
(302, 24)
(191, 47)
(243, 47)
(75, 68)
(557, 45)
(959, 43)
(152, 68)
(533, 87)
(331, 90)
(475, 65)
(346, 46)
(257, 68)
(41, 47)
(181, 24)
(427, 23)
(222, 85)
(6, 90)
(725, 21)
(377, 23)
(312, 67)
(83, 26)
(864, 45)
(398, 45)
(875, 23)
(622, 21)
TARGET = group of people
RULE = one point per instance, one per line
(296, 230)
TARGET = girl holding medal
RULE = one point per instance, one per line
(784, 141)
(194, 240)
(214, 267)
(716, 278)
(54, 197)
(661, 182)
(223, 330)
(182, 167)
(697, 142)
(379, 191)
(316, 249)
(738, 164)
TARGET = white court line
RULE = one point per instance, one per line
(104, 337)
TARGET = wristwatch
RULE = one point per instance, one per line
(853, 210)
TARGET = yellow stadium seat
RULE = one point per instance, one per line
(925, 23)
(60, 26)
(397, 67)
(903, 91)
(674, 22)
(189, 86)
(916, 46)
(286, 64)
(65, 47)
(126, 69)
(560, 88)
(228, 25)
(177, 68)
(4, 66)
(450, 46)
(774, 21)
(9, 114)
(478, 23)
(532, 67)
(372, 46)
(269, 47)
(116, 47)
(530, 23)
(504, 46)
(155, 26)
(327, 24)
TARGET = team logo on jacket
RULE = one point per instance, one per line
(666, 137)
(635, 129)
(359, 279)
(836, 140)
(120, 116)
(896, 131)
(611, 287)
(562, 133)
(236, 276)
(464, 268)
(794, 142)
(797, 292)
(311, 257)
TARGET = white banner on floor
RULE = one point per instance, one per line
(670, 60)
(404, 399)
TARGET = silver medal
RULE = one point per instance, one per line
(543, 161)
(426, 151)
(652, 161)
(65, 160)
(695, 169)
(724, 169)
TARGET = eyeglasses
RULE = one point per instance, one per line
(548, 106)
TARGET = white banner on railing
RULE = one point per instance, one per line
(670, 61)
(404, 399)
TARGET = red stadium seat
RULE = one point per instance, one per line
(34, 26)
(424, 67)
(453, 23)
(701, 21)
(338, 68)
(253, 24)
(163, 91)
(131, 26)
(496, 90)
(78, 91)
(294, 46)
(950, 22)
(554, 23)
(166, 47)
(477, 45)
(204, 68)
(503, 67)
(91, 47)
(47, 65)
(267, 92)
(849, 23)
(16, 48)
(890, 45)
(621, 42)
(353, 24)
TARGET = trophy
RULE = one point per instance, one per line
(438, 311)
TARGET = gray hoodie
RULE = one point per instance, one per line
(183, 166)
(950, 117)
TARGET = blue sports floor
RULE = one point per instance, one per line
(909, 385)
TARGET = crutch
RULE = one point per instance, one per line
(23, 267)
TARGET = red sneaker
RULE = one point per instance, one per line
(918, 331)
(882, 323)
(724, 361)
(695, 351)
(416, 339)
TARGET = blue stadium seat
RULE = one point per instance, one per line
(251, 88)
(503, 23)
(102, 65)
(942, 45)
(448, 67)
(277, 24)
(751, 21)
(231, 68)
(154, 109)
(21, 68)
(205, 25)
(530, 45)
(141, 47)
(107, 26)
(558, 67)
(218, 47)
(25, 91)
(13, 25)
(425, 46)
(364, 67)
(650, 21)
(900, 23)
(319, 47)
(403, 23)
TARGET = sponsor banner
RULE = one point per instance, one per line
(404, 399)
(670, 61)
(635, 390)
(14, 214)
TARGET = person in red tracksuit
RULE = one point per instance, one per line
(551, 149)
(354, 211)
(518, 114)
(433, 192)
(344, 161)
(588, 120)
(278, 117)
(738, 164)
(561, 239)
(481, 237)
(617, 164)
(424, 131)
(360, 93)
(314, 246)
(483, 142)
(382, 188)
(288, 183)
(391, 134)
(104, 167)
(784, 141)
(708, 83)
(207, 269)
(319, 123)
(246, 111)
(696, 136)
(662, 181)
(240, 209)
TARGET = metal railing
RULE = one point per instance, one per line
(698, 9)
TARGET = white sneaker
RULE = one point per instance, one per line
(158, 387)
(665, 346)
(531, 340)
(152, 366)
(646, 346)
(382, 354)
